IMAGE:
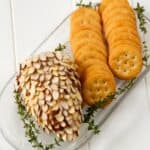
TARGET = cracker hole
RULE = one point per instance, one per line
(93, 96)
(91, 90)
(103, 82)
(125, 62)
(124, 70)
(118, 59)
(97, 90)
(133, 65)
(117, 68)
(133, 57)
(126, 54)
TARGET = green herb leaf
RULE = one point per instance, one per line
(81, 4)
(140, 14)
(142, 25)
(60, 47)
(88, 5)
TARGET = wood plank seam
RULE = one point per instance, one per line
(13, 33)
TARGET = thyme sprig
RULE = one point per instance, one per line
(81, 4)
(31, 130)
(141, 17)
(146, 54)
(60, 47)
(142, 25)
(88, 5)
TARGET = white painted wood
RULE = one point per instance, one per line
(34, 20)
(6, 53)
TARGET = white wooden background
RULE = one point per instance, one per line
(23, 25)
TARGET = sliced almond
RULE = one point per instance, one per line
(37, 65)
(44, 116)
(59, 55)
(43, 57)
(35, 76)
(59, 117)
(54, 87)
(41, 78)
(48, 76)
(64, 105)
(35, 58)
(72, 110)
(41, 102)
(45, 108)
(68, 130)
(48, 97)
(55, 95)
(31, 70)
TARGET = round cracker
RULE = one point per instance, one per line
(97, 87)
(119, 24)
(126, 29)
(85, 12)
(125, 61)
(100, 48)
(125, 42)
(75, 45)
(123, 36)
(86, 34)
(83, 55)
(106, 3)
(87, 63)
(114, 9)
(96, 68)
(115, 17)
(82, 23)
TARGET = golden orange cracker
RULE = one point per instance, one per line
(126, 62)
(87, 63)
(127, 29)
(96, 68)
(85, 12)
(119, 24)
(114, 17)
(75, 45)
(86, 34)
(106, 3)
(83, 23)
(97, 87)
(125, 42)
(100, 48)
(123, 36)
(114, 9)
(88, 54)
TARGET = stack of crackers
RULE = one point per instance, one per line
(90, 55)
(124, 44)
(115, 23)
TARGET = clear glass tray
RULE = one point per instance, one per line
(11, 127)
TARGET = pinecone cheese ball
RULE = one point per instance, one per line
(50, 88)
